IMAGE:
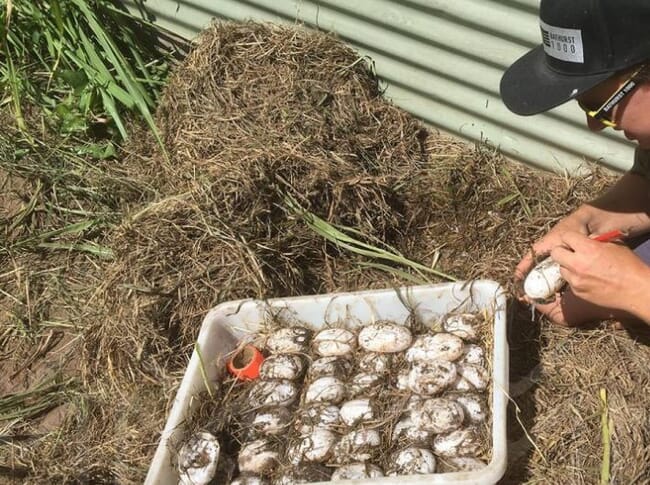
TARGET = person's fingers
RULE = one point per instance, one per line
(528, 260)
(577, 241)
(553, 311)
(524, 266)
(563, 256)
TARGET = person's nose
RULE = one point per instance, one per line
(594, 125)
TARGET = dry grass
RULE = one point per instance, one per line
(257, 112)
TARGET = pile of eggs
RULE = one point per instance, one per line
(340, 404)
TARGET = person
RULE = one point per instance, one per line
(596, 52)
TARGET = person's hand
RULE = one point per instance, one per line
(609, 276)
(576, 222)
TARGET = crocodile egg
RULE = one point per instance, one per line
(198, 458)
(324, 416)
(463, 325)
(365, 384)
(315, 447)
(414, 401)
(273, 393)
(472, 354)
(441, 345)
(357, 471)
(411, 461)
(471, 377)
(432, 377)
(330, 366)
(460, 442)
(438, 414)
(375, 363)
(357, 445)
(289, 340)
(402, 380)
(282, 366)
(257, 457)
(474, 407)
(334, 342)
(357, 411)
(406, 430)
(385, 337)
(543, 281)
(325, 389)
(272, 421)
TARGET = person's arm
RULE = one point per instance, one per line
(608, 275)
(625, 206)
(639, 302)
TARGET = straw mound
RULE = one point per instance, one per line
(254, 109)
(258, 114)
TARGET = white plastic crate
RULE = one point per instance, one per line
(226, 324)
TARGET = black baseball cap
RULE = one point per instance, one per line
(584, 42)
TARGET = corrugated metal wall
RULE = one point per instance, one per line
(441, 60)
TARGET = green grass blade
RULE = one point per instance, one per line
(95, 249)
(43, 237)
(345, 241)
(25, 405)
(109, 104)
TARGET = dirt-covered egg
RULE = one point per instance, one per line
(375, 363)
(357, 411)
(441, 345)
(282, 366)
(414, 401)
(412, 461)
(472, 354)
(327, 389)
(402, 379)
(543, 281)
(460, 442)
(257, 457)
(279, 392)
(357, 471)
(326, 416)
(289, 340)
(357, 445)
(272, 421)
(198, 458)
(316, 447)
(464, 463)
(438, 414)
(405, 430)
(474, 407)
(334, 342)
(471, 378)
(330, 366)
(463, 325)
(364, 383)
(433, 377)
(249, 480)
(304, 473)
(385, 337)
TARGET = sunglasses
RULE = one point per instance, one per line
(604, 113)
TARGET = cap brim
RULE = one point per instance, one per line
(529, 86)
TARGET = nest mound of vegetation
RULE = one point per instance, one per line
(267, 127)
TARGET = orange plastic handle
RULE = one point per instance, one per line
(246, 363)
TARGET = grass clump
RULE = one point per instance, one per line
(83, 65)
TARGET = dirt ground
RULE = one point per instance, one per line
(108, 267)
